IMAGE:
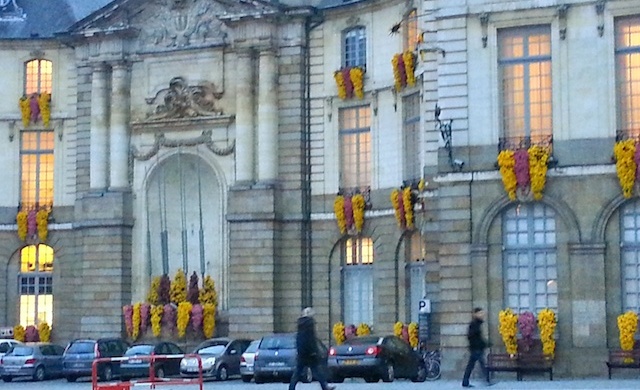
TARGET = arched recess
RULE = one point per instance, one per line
(184, 223)
(602, 220)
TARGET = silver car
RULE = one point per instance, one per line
(220, 359)
(246, 361)
(35, 360)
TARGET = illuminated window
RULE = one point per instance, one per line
(36, 168)
(357, 277)
(531, 275)
(38, 76)
(355, 47)
(411, 136)
(415, 274)
(525, 74)
(355, 147)
(411, 35)
(36, 285)
(628, 73)
(630, 253)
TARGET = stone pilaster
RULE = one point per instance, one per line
(119, 136)
(268, 117)
(99, 128)
(244, 117)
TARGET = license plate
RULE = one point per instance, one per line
(78, 365)
(276, 364)
(349, 362)
(192, 369)
(135, 361)
(11, 369)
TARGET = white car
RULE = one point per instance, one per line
(6, 345)
(246, 361)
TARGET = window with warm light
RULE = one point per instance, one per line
(355, 147)
(415, 274)
(411, 136)
(525, 75)
(36, 168)
(38, 76)
(355, 47)
(357, 278)
(36, 285)
(627, 49)
(530, 269)
(630, 256)
(411, 35)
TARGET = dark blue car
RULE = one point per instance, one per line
(136, 366)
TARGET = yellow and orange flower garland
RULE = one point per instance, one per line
(44, 332)
(547, 325)
(403, 70)
(350, 82)
(41, 225)
(338, 209)
(509, 330)
(44, 105)
(136, 321)
(42, 222)
(19, 333)
(44, 102)
(25, 110)
(538, 158)
(624, 153)
(355, 205)
(338, 333)
(342, 89)
(184, 315)
(156, 319)
(413, 334)
(628, 326)
(408, 209)
(357, 78)
(403, 204)
(21, 220)
(363, 329)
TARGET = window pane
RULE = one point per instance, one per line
(36, 285)
(355, 147)
(355, 47)
(37, 168)
(627, 32)
(357, 277)
(411, 31)
(411, 136)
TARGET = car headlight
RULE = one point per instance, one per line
(184, 363)
(209, 362)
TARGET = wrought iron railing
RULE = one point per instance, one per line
(365, 191)
(514, 143)
(622, 135)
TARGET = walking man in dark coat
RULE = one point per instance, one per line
(308, 353)
(477, 345)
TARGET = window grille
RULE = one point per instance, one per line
(355, 47)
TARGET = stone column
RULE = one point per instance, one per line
(268, 117)
(99, 128)
(244, 117)
(119, 136)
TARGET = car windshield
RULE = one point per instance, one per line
(363, 340)
(139, 350)
(81, 347)
(281, 342)
(211, 350)
(252, 347)
(21, 351)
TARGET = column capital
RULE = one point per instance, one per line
(120, 64)
(99, 66)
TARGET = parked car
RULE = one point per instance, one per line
(220, 359)
(79, 355)
(136, 367)
(374, 358)
(35, 360)
(246, 361)
(276, 359)
(6, 345)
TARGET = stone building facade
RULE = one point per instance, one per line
(211, 136)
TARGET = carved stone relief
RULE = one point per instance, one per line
(180, 100)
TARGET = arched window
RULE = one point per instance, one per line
(530, 270)
(355, 47)
(35, 283)
(415, 274)
(38, 76)
(630, 256)
(357, 278)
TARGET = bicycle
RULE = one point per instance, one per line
(432, 364)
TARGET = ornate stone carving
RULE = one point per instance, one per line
(162, 141)
(183, 101)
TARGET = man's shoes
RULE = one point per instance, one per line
(468, 386)
(330, 387)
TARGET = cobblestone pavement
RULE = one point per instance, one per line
(349, 385)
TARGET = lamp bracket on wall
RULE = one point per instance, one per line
(444, 127)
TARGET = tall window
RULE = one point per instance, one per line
(630, 267)
(627, 32)
(36, 168)
(529, 239)
(355, 147)
(411, 136)
(357, 278)
(355, 47)
(525, 70)
(416, 274)
(411, 35)
(38, 76)
(36, 284)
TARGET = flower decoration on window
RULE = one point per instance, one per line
(350, 82)
(44, 331)
(34, 107)
(19, 333)
(338, 333)
(33, 224)
(527, 327)
(403, 201)
(135, 320)
(404, 65)
(627, 326)
(413, 334)
(524, 171)
(627, 156)
(547, 323)
(349, 212)
(508, 329)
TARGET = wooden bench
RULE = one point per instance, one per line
(534, 362)
(529, 359)
(623, 359)
(502, 362)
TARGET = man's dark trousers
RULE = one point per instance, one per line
(476, 356)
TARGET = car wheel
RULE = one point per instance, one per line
(370, 379)
(39, 375)
(107, 373)
(388, 374)
(160, 372)
(307, 375)
(258, 379)
(7, 378)
(421, 375)
(71, 378)
(246, 378)
(222, 374)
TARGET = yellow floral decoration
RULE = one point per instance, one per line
(397, 329)
(342, 90)
(44, 102)
(538, 158)
(25, 110)
(156, 320)
(397, 77)
(136, 321)
(42, 222)
(208, 319)
(21, 220)
(624, 152)
(396, 206)
(338, 333)
(338, 209)
(357, 79)
(508, 329)
(152, 296)
(178, 290)
(19, 333)
(358, 203)
(208, 291)
(410, 67)
(363, 330)
(413, 334)
(44, 332)
(507, 163)
(547, 324)
(628, 326)
(184, 314)
(408, 207)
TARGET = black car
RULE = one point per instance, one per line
(79, 355)
(374, 358)
(136, 366)
(277, 357)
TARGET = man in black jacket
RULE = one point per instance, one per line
(477, 345)
(308, 354)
